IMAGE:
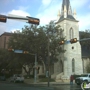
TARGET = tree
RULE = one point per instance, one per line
(35, 40)
(5, 60)
(83, 35)
(85, 45)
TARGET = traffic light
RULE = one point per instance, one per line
(62, 42)
(25, 52)
(3, 18)
(33, 20)
(10, 50)
(74, 40)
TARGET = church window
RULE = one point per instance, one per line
(71, 33)
(72, 47)
(73, 65)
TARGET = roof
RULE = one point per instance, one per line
(68, 16)
(68, 10)
(6, 33)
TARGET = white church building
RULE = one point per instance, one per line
(72, 58)
(72, 61)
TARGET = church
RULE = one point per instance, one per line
(71, 62)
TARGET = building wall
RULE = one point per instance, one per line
(70, 53)
(86, 61)
(4, 38)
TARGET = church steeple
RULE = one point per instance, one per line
(66, 11)
(66, 4)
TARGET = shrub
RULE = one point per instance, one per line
(29, 76)
(46, 80)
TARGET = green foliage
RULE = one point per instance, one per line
(36, 40)
(46, 80)
(4, 59)
(83, 35)
(42, 76)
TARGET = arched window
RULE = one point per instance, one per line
(71, 33)
(73, 65)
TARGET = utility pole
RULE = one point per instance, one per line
(48, 62)
(35, 70)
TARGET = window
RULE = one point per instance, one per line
(71, 33)
(73, 65)
(72, 47)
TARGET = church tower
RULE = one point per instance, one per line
(72, 61)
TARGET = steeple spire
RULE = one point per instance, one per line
(68, 7)
(74, 14)
(66, 11)
(58, 15)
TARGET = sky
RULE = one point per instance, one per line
(45, 10)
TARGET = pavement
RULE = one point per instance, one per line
(32, 82)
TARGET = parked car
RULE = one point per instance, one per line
(2, 78)
(17, 78)
(83, 78)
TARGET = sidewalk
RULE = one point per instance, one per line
(31, 82)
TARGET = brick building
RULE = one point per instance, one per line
(4, 39)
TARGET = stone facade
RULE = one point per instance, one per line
(72, 58)
(4, 38)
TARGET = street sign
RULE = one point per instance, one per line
(47, 73)
(18, 51)
(67, 42)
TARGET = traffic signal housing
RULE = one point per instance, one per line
(3, 18)
(25, 52)
(38, 68)
(33, 20)
(62, 42)
(11, 50)
(74, 40)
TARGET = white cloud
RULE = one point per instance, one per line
(49, 13)
(78, 3)
(84, 22)
(14, 30)
(13, 23)
(23, 8)
(19, 12)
